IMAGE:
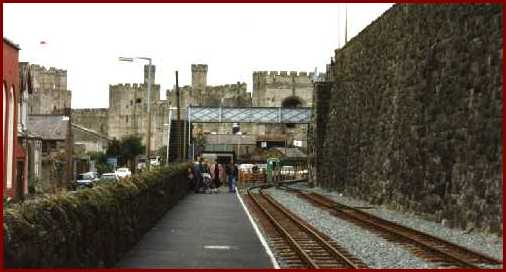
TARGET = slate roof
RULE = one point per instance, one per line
(49, 127)
(11, 43)
(90, 131)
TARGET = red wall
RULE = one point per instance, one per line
(10, 77)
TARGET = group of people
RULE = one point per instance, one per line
(206, 177)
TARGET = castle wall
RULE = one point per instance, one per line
(128, 111)
(94, 119)
(270, 89)
(199, 94)
(199, 83)
(50, 94)
(273, 89)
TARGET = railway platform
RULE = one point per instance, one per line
(201, 231)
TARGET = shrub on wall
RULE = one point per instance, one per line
(92, 227)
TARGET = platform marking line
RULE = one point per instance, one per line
(259, 234)
(217, 247)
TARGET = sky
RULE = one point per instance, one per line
(232, 39)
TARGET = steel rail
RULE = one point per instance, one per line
(315, 236)
(394, 229)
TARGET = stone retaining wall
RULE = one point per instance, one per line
(92, 227)
(415, 113)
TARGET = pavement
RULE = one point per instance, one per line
(201, 231)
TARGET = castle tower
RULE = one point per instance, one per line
(199, 82)
(153, 70)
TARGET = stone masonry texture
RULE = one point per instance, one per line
(414, 114)
(94, 119)
(50, 95)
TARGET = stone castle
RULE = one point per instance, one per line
(50, 94)
(127, 112)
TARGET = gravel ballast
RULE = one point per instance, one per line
(487, 243)
(375, 251)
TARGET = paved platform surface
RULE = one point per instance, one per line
(201, 231)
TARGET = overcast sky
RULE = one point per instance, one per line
(233, 39)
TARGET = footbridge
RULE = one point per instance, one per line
(265, 115)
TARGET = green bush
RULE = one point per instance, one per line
(91, 227)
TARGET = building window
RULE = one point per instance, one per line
(126, 118)
(138, 100)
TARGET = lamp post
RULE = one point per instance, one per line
(148, 131)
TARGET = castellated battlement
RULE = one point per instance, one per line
(228, 86)
(52, 70)
(281, 74)
(281, 78)
(133, 86)
(90, 110)
(199, 67)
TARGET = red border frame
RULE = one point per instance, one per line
(258, 1)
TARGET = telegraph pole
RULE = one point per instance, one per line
(178, 105)
(148, 140)
(68, 172)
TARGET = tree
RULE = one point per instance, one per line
(101, 164)
(130, 147)
(113, 150)
(162, 152)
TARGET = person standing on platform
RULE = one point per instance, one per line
(216, 177)
(198, 174)
(223, 176)
(232, 172)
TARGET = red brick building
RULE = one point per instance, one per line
(14, 156)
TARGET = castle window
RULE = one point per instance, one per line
(126, 118)
(131, 102)
(138, 100)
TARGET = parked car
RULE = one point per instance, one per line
(109, 177)
(87, 179)
(123, 172)
(155, 161)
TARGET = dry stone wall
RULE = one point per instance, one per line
(415, 112)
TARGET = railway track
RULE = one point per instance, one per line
(423, 245)
(296, 242)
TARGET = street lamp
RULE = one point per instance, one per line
(148, 132)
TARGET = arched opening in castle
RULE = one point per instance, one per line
(290, 103)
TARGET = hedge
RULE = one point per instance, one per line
(92, 227)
